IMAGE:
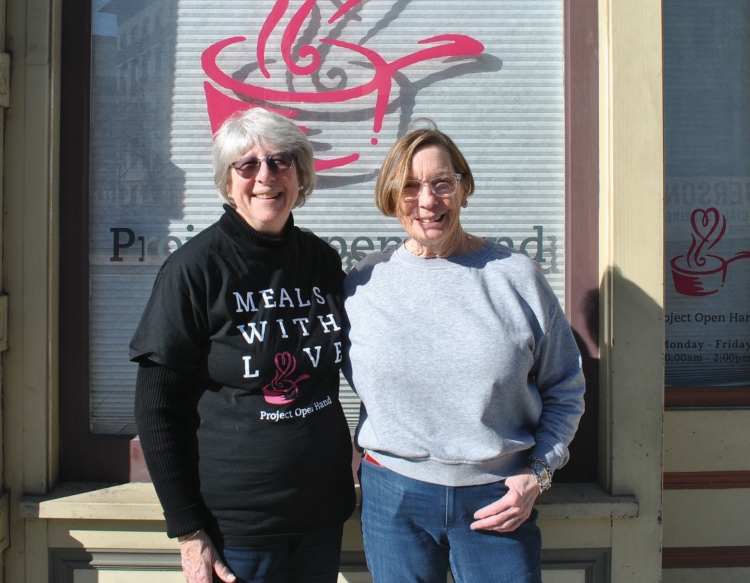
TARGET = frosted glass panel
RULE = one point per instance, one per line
(490, 73)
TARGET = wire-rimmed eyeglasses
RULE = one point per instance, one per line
(443, 186)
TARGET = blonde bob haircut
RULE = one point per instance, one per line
(255, 126)
(397, 163)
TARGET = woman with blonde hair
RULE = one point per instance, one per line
(470, 382)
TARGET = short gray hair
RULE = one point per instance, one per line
(246, 129)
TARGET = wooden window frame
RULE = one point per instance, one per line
(676, 398)
(86, 456)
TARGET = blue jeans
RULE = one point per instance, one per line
(414, 531)
(310, 558)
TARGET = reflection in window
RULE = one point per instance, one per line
(133, 186)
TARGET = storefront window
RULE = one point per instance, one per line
(707, 192)
(166, 73)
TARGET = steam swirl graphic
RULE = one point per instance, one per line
(281, 389)
(221, 106)
(699, 273)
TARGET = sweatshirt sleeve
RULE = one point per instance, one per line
(163, 415)
(560, 381)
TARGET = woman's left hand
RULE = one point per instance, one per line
(508, 513)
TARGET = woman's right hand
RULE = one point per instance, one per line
(200, 560)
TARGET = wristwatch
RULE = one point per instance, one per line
(542, 472)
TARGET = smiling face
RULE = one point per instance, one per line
(266, 199)
(432, 222)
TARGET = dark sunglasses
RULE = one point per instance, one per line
(278, 163)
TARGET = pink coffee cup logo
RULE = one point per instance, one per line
(283, 390)
(221, 106)
(699, 273)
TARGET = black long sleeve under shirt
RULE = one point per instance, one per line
(240, 347)
(167, 434)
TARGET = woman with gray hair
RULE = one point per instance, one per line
(239, 351)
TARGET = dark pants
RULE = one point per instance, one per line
(311, 558)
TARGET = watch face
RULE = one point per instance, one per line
(543, 475)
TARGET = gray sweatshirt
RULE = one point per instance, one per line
(465, 366)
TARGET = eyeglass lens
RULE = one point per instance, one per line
(278, 163)
(439, 185)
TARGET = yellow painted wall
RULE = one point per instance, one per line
(706, 518)
(4, 78)
(707, 441)
(631, 264)
(703, 575)
(30, 269)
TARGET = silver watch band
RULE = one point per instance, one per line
(542, 472)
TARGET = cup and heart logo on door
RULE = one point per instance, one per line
(698, 272)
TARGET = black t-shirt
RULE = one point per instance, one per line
(257, 324)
